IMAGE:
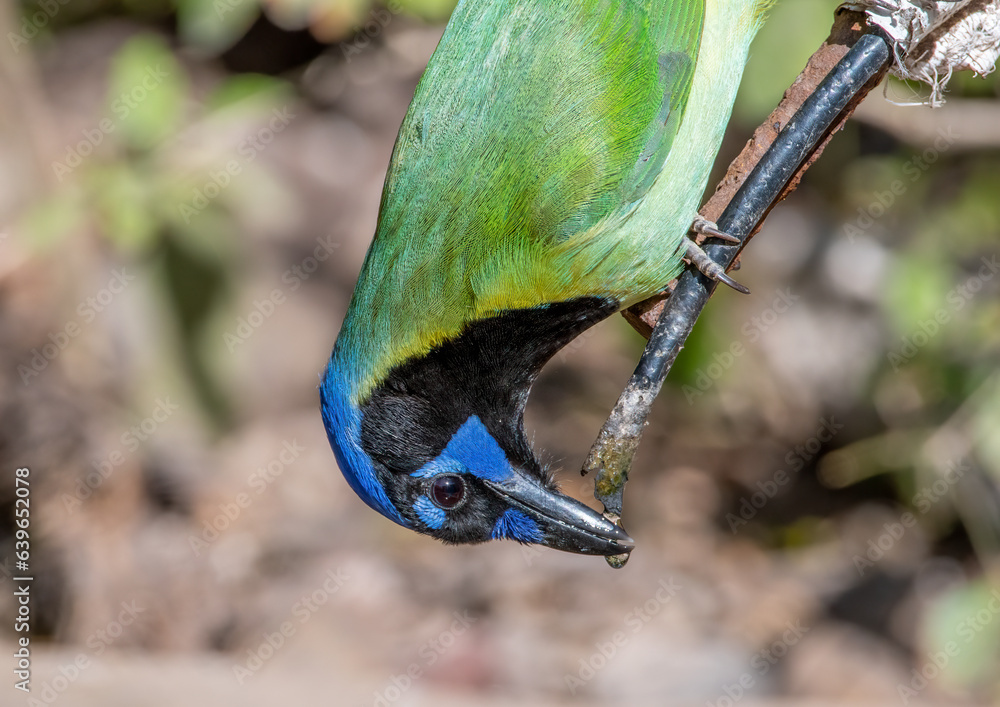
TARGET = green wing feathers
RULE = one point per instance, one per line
(536, 124)
(573, 94)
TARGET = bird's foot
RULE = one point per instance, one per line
(704, 227)
(701, 260)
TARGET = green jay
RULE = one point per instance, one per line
(545, 176)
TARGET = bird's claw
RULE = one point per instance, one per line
(704, 227)
(710, 268)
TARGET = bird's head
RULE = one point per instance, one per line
(438, 446)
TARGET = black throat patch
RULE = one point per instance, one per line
(486, 371)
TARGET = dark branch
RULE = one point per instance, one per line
(768, 169)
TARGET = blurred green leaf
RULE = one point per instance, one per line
(917, 290)
(147, 91)
(430, 10)
(217, 24)
(123, 206)
(964, 627)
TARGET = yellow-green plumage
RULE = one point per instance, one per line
(553, 150)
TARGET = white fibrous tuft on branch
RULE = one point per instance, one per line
(935, 38)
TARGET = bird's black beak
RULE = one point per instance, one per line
(566, 523)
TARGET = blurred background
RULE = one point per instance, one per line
(187, 190)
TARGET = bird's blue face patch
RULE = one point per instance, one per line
(515, 525)
(431, 515)
(471, 450)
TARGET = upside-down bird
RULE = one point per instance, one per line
(545, 176)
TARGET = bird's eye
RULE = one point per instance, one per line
(447, 491)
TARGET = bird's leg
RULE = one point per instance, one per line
(701, 260)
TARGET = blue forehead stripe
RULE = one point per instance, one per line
(514, 525)
(431, 515)
(474, 447)
(471, 450)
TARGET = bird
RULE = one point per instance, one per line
(546, 175)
